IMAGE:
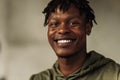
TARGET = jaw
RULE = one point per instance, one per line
(64, 47)
(68, 46)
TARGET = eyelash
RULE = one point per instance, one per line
(74, 23)
(71, 24)
(53, 24)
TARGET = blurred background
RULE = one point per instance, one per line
(24, 49)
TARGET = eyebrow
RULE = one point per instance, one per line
(68, 18)
(74, 16)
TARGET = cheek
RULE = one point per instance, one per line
(51, 31)
(81, 37)
(50, 34)
(79, 32)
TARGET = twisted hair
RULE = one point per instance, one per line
(82, 5)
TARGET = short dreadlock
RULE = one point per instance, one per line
(82, 5)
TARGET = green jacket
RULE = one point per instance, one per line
(96, 67)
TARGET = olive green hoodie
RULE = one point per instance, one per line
(96, 67)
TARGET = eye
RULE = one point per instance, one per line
(53, 24)
(74, 23)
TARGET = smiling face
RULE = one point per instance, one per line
(67, 32)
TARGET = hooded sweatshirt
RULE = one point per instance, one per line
(96, 67)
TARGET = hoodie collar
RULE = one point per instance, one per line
(94, 60)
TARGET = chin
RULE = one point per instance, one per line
(65, 55)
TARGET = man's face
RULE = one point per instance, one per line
(67, 32)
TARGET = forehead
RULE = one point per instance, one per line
(72, 11)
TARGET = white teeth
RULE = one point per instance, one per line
(64, 41)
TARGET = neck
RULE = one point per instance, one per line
(71, 64)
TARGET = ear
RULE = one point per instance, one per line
(88, 28)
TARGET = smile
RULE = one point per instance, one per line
(64, 41)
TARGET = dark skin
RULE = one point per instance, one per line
(67, 36)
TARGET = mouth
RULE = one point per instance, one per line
(65, 42)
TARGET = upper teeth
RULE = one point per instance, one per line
(64, 41)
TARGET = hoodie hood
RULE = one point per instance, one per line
(94, 61)
(96, 67)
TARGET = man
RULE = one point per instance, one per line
(69, 22)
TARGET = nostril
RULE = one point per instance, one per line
(63, 30)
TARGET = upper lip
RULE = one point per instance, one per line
(64, 38)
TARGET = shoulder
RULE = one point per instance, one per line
(112, 66)
(112, 70)
(44, 75)
(105, 67)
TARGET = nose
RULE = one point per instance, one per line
(63, 29)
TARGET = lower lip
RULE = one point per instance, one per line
(65, 45)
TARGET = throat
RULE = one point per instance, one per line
(70, 65)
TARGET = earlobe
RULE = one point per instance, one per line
(88, 29)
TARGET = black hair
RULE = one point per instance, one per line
(82, 5)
